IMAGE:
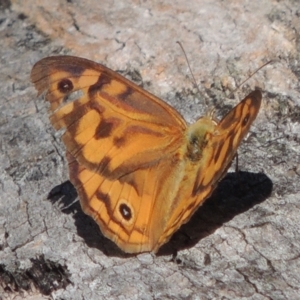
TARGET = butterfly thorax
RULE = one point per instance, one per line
(198, 135)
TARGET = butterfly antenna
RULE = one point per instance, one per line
(186, 58)
(270, 61)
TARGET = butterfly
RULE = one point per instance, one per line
(140, 171)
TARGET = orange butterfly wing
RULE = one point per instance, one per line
(114, 131)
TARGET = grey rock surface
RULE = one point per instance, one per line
(244, 242)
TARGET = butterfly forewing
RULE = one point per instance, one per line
(115, 126)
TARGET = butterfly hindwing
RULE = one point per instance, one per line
(133, 210)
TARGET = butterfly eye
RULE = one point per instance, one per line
(125, 211)
(65, 86)
(246, 119)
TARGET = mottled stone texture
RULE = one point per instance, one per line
(244, 243)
